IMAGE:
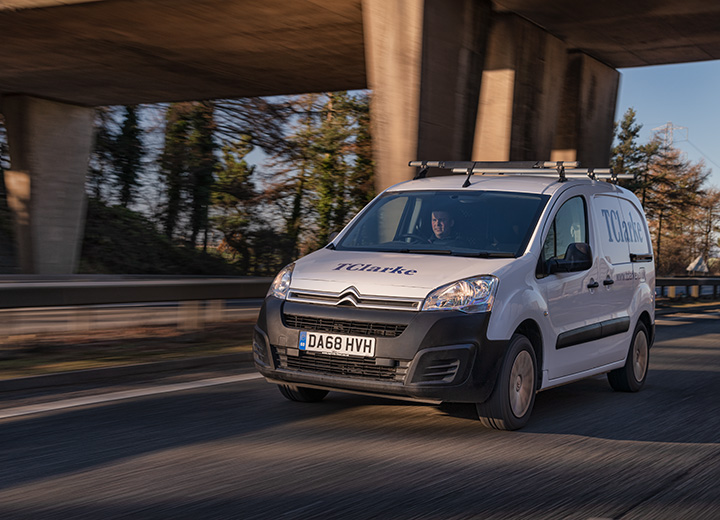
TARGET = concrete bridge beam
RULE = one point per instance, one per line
(424, 65)
(521, 92)
(49, 144)
(587, 113)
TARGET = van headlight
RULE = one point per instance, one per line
(470, 295)
(281, 283)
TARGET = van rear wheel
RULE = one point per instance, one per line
(512, 400)
(302, 394)
(631, 377)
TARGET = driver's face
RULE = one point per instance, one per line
(441, 223)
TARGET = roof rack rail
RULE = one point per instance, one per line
(564, 170)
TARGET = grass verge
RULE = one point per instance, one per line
(38, 354)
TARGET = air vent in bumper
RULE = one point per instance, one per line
(342, 366)
(440, 370)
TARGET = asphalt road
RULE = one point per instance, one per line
(239, 450)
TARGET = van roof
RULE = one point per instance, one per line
(513, 183)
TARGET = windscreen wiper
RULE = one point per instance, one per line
(485, 254)
(426, 251)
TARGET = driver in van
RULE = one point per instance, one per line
(442, 226)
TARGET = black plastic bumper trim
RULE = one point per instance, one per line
(448, 354)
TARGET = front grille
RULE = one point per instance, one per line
(387, 330)
(352, 297)
(360, 368)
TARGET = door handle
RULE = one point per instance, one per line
(608, 281)
(593, 284)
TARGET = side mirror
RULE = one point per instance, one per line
(578, 257)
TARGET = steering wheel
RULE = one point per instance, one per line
(414, 238)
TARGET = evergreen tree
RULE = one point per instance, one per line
(298, 183)
(330, 168)
(6, 227)
(327, 167)
(630, 157)
(201, 164)
(174, 165)
(102, 154)
(675, 189)
(362, 187)
(127, 156)
(708, 218)
(234, 199)
(4, 158)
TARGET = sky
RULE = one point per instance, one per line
(686, 95)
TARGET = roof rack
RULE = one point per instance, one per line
(564, 170)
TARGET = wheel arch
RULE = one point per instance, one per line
(531, 330)
(645, 320)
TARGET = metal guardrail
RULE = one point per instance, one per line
(72, 291)
(42, 304)
(695, 284)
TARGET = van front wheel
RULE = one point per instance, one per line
(631, 377)
(511, 402)
(302, 394)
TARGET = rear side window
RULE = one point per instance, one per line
(612, 229)
(568, 227)
(637, 239)
(621, 228)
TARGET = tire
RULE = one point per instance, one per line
(511, 402)
(302, 394)
(631, 377)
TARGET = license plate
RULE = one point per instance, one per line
(337, 344)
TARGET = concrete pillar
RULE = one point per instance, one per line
(521, 92)
(49, 146)
(424, 65)
(585, 127)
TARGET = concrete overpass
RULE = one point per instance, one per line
(452, 79)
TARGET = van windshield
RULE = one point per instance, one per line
(467, 223)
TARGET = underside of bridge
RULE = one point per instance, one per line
(451, 79)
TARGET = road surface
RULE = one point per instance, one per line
(202, 447)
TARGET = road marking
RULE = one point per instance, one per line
(126, 394)
(672, 322)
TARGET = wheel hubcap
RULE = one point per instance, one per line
(522, 384)
(640, 356)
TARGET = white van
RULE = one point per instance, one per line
(483, 289)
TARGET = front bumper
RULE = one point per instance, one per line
(431, 356)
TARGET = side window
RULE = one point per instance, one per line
(568, 227)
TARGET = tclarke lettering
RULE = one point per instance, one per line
(369, 268)
(622, 230)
